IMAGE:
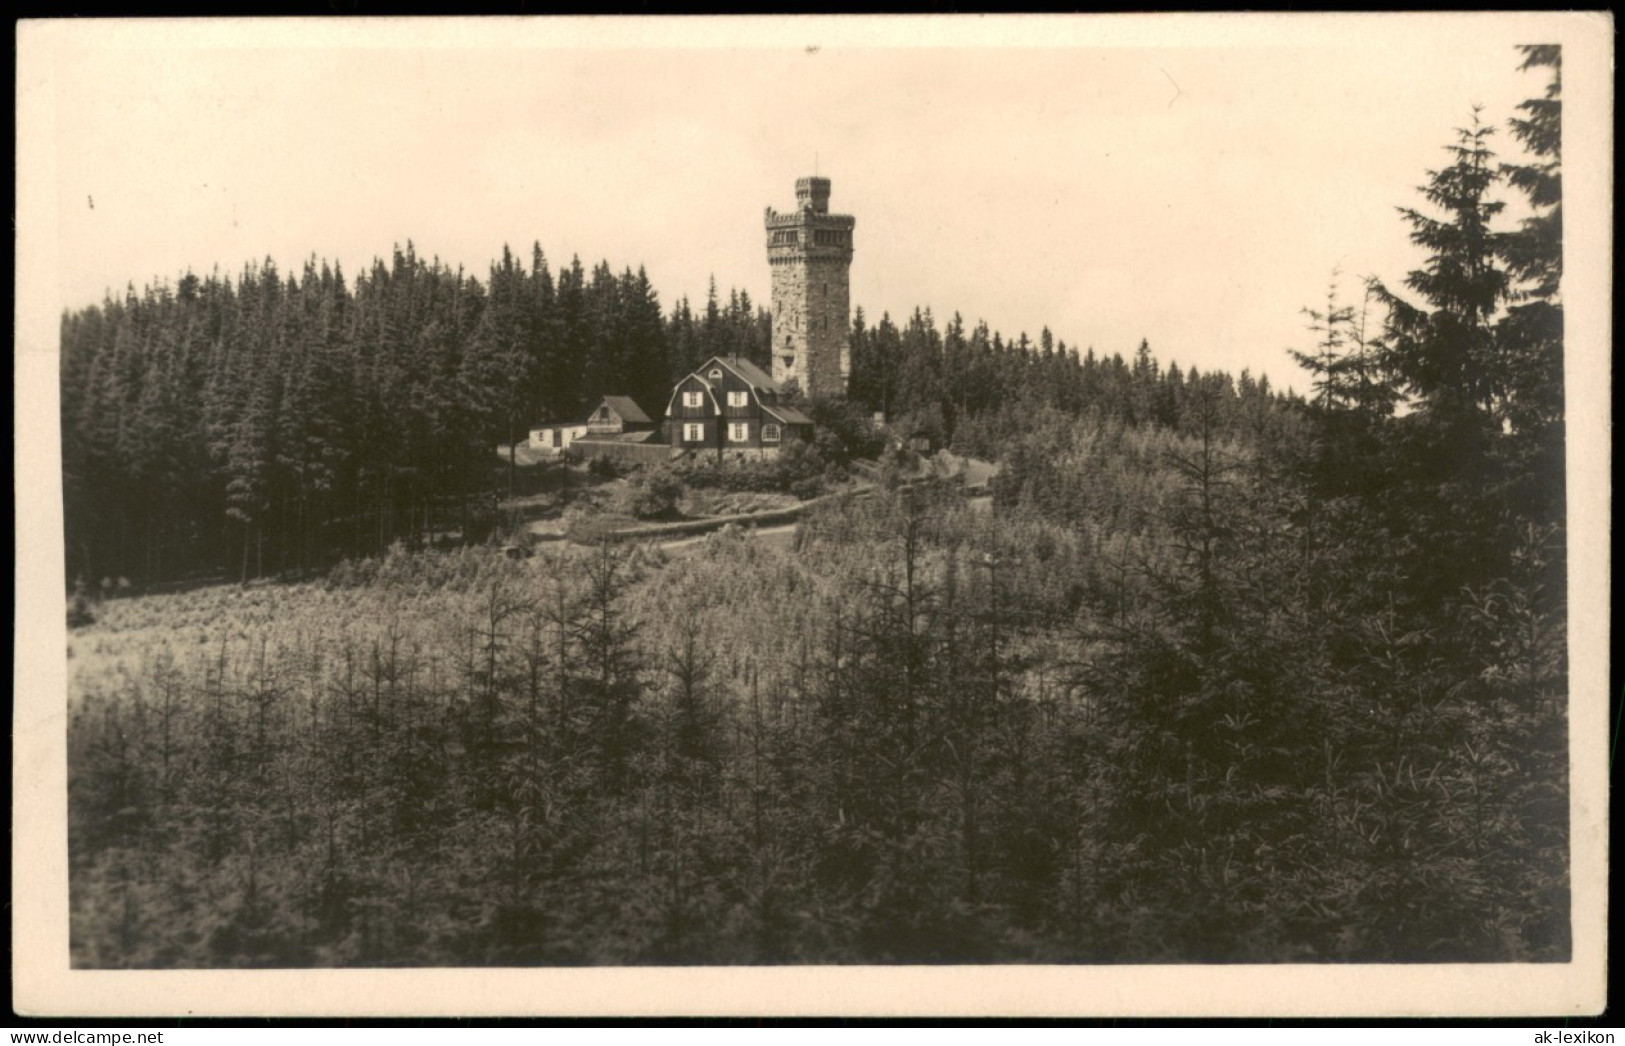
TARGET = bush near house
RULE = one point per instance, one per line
(844, 431)
(652, 494)
(799, 468)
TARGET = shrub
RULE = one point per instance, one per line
(484, 519)
(844, 431)
(926, 424)
(653, 494)
(79, 615)
(808, 488)
(603, 468)
(733, 476)
(799, 468)
(585, 527)
(897, 464)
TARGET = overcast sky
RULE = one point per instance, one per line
(1191, 182)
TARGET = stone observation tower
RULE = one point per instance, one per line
(810, 252)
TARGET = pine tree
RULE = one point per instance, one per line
(1533, 327)
(500, 370)
(1446, 357)
(1444, 352)
(1329, 363)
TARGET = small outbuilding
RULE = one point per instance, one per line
(613, 416)
(556, 437)
(618, 414)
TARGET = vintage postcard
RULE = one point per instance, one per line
(1046, 515)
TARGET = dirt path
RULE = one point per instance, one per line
(777, 525)
(781, 536)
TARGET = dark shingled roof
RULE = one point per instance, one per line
(788, 415)
(745, 369)
(627, 409)
(618, 437)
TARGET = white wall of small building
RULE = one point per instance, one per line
(541, 437)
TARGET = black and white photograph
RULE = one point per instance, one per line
(1038, 501)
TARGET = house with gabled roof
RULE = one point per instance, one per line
(729, 405)
(620, 429)
(617, 418)
(732, 407)
(618, 414)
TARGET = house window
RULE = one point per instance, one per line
(716, 374)
(739, 432)
(693, 399)
(693, 433)
(770, 433)
(738, 399)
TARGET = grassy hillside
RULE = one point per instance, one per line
(908, 731)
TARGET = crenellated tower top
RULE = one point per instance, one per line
(810, 228)
(810, 252)
(812, 194)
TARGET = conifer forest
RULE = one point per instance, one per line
(1212, 672)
